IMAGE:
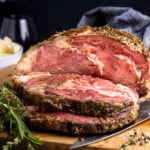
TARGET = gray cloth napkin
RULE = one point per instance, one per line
(124, 18)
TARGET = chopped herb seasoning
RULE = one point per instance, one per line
(136, 139)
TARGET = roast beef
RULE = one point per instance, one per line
(79, 124)
(100, 52)
(84, 81)
(79, 94)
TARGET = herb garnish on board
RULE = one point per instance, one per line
(12, 112)
(136, 139)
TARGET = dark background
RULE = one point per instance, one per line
(57, 15)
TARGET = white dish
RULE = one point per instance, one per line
(12, 59)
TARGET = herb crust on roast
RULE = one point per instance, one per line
(90, 72)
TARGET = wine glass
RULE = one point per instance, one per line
(20, 28)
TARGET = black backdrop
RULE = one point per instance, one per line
(57, 15)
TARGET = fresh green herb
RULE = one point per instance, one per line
(123, 146)
(12, 112)
(134, 139)
(131, 141)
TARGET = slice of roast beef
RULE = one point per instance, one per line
(76, 124)
(75, 93)
(102, 52)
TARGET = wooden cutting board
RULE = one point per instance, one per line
(62, 142)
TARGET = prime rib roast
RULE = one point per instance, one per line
(88, 80)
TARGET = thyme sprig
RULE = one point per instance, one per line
(12, 112)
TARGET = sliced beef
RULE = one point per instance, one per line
(84, 81)
(93, 55)
(75, 93)
(75, 124)
(100, 52)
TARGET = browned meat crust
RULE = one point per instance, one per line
(74, 124)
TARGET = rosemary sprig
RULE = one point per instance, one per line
(12, 112)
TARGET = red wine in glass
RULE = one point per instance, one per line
(20, 28)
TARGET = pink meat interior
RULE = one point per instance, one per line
(94, 55)
(81, 88)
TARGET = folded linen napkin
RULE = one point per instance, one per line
(124, 18)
